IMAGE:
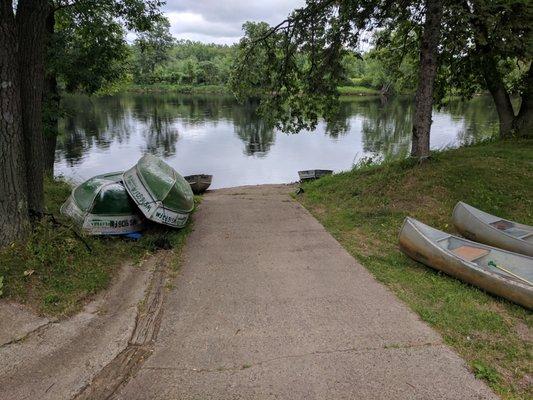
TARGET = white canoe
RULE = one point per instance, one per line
(482, 227)
(469, 261)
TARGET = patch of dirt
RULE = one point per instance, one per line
(523, 331)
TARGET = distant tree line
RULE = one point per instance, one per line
(157, 58)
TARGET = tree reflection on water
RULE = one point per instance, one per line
(97, 123)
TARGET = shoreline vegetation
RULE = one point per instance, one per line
(223, 89)
(364, 208)
(54, 273)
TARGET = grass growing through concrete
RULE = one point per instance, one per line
(54, 272)
(364, 210)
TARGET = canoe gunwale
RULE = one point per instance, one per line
(492, 227)
(447, 262)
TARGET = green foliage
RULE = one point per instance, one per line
(297, 66)
(296, 88)
(87, 48)
(480, 33)
(152, 48)
(183, 63)
(483, 371)
(364, 210)
(87, 52)
(1, 285)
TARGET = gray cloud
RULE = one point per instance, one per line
(221, 21)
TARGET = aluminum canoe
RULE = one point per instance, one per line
(485, 228)
(470, 262)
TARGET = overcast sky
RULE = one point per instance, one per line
(220, 21)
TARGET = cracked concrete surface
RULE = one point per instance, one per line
(22, 323)
(269, 306)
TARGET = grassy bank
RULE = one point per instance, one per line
(357, 91)
(364, 210)
(221, 89)
(55, 273)
(185, 89)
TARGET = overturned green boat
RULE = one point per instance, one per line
(161, 194)
(101, 206)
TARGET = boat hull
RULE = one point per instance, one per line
(101, 206)
(149, 204)
(419, 247)
(476, 225)
(199, 183)
(311, 174)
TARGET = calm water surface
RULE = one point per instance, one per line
(216, 135)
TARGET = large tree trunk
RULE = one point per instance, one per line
(523, 123)
(52, 100)
(31, 24)
(489, 70)
(51, 103)
(499, 93)
(426, 79)
(14, 222)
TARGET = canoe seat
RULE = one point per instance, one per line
(469, 253)
(502, 224)
(518, 233)
(528, 237)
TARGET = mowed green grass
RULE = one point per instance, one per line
(356, 91)
(54, 273)
(364, 210)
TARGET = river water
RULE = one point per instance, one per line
(218, 136)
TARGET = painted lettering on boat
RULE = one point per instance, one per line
(166, 218)
(119, 223)
(137, 195)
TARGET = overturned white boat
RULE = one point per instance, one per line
(101, 206)
(161, 194)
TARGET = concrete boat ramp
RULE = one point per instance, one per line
(267, 305)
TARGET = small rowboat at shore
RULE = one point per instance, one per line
(482, 227)
(199, 183)
(313, 174)
(101, 206)
(162, 195)
(499, 272)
